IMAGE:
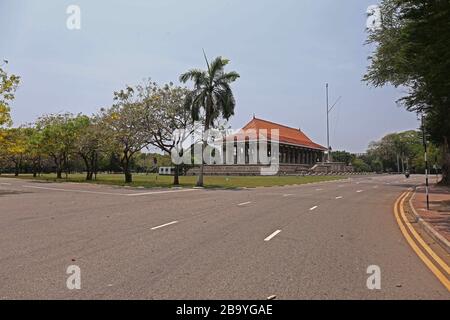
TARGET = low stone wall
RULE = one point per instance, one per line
(285, 169)
(247, 170)
(329, 167)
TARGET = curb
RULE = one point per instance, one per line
(444, 243)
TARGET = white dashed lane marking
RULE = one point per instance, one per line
(340, 197)
(313, 208)
(244, 204)
(272, 236)
(164, 225)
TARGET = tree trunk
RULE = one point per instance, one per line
(176, 179)
(34, 170)
(200, 175)
(403, 165)
(446, 163)
(126, 170)
(200, 182)
(88, 168)
(66, 166)
(94, 165)
(16, 170)
(58, 166)
(128, 176)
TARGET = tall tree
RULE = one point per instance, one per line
(34, 152)
(14, 147)
(165, 114)
(411, 50)
(400, 151)
(212, 94)
(91, 141)
(8, 86)
(124, 122)
(59, 134)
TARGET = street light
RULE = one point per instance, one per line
(328, 124)
(426, 162)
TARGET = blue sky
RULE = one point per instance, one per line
(285, 51)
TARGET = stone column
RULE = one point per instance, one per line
(247, 153)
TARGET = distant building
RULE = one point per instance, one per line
(297, 153)
(294, 145)
(166, 171)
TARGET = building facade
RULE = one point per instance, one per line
(241, 154)
(294, 145)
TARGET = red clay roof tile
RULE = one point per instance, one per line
(287, 134)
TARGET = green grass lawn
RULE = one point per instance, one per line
(153, 180)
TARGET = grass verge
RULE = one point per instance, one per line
(154, 181)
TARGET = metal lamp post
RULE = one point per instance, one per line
(426, 162)
(328, 124)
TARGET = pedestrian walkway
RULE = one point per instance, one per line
(438, 217)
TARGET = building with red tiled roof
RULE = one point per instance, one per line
(295, 147)
(287, 135)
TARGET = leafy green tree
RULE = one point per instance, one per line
(59, 135)
(34, 153)
(14, 147)
(360, 166)
(376, 165)
(212, 94)
(342, 156)
(397, 152)
(125, 124)
(165, 114)
(8, 86)
(91, 141)
(412, 52)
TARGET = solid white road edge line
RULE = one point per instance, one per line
(159, 192)
(80, 191)
(109, 193)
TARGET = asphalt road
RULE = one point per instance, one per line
(299, 242)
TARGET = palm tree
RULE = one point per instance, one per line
(212, 93)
